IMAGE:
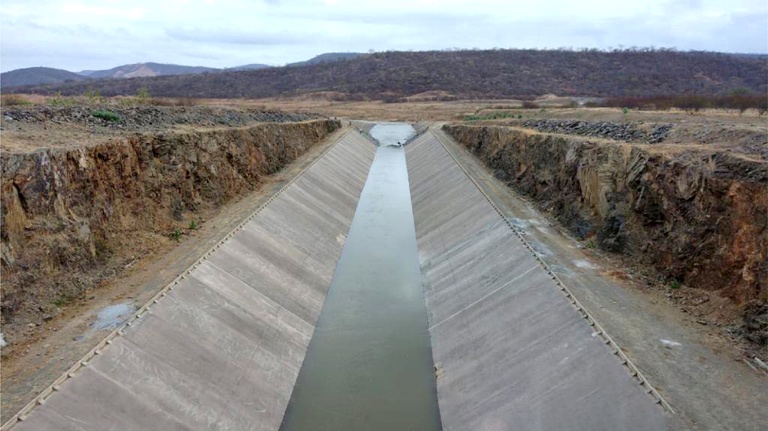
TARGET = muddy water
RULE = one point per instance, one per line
(369, 364)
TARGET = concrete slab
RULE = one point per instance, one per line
(511, 352)
(222, 350)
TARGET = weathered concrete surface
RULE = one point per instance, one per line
(510, 350)
(707, 384)
(369, 364)
(222, 350)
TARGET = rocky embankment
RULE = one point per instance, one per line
(74, 217)
(638, 132)
(143, 117)
(700, 217)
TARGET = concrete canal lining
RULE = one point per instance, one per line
(369, 364)
(511, 352)
(222, 349)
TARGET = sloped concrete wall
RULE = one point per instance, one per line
(222, 349)
(510, 350)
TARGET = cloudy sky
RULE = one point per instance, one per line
(100, 34)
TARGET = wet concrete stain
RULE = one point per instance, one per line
(113, 316)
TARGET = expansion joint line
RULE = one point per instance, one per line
(484, 297)
(599, 331)
(144, 309)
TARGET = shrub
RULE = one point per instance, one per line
(106, 115)
(142, 95)
(93, 96)
(59, 100)
(738, 100)
(530, 105)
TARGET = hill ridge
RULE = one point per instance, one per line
(468, 74)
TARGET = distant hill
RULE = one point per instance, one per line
(328, 57)
(146, 69)
(37, 76)
(45, 75)
(254, 66)
(468, 74)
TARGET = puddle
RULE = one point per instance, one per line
(541, 249)
(113, 316)
(670, 344)
(584, 264)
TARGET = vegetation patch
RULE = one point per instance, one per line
(106, 115)
(492, 116)
(739, 99)
(14, 100)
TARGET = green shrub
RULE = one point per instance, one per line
(106, 115)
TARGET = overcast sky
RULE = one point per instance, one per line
(101, 34)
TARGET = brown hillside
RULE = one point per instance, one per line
(467, 74)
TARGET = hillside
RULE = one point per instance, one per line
(37, 75)
(468, 74)
(253, 66)
(146, 69)
(328, 57)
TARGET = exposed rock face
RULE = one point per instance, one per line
(699, 217)
(73, 217)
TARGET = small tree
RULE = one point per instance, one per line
(142, 95)
(93, 96)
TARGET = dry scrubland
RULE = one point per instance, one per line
(92, 186)
(464, 74)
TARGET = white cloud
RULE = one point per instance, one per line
(90, 34)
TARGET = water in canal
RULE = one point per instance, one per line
(369, 363)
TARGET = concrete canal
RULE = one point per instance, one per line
(369, 364)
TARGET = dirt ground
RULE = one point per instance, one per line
(458, 110)
(32, 127)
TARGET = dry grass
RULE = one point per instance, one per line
(14, 100)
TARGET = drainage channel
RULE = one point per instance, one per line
(369, 364)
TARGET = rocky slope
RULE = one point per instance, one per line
(140, 118)
(698, 215)
(73, 217)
